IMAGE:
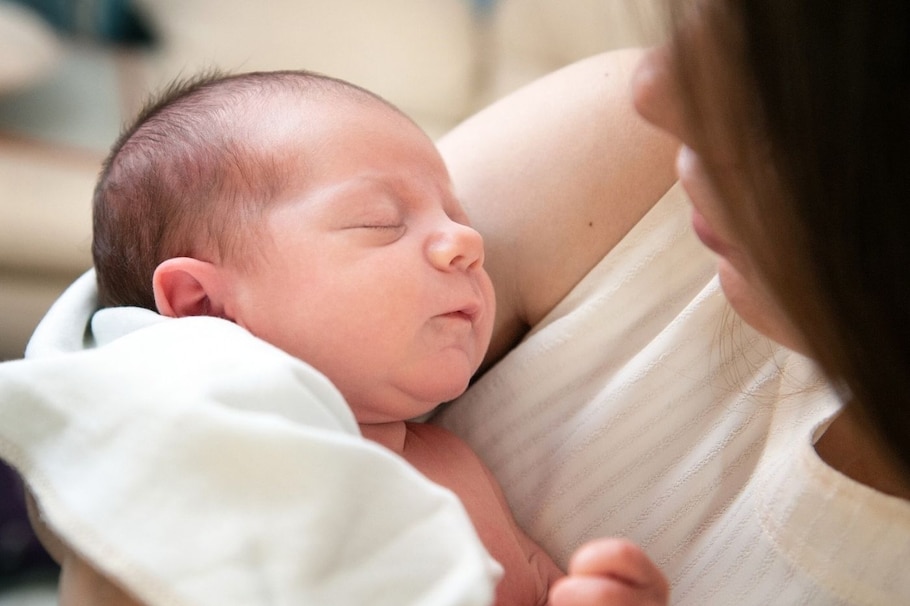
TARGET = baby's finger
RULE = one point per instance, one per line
(601, 591)
(621, 560)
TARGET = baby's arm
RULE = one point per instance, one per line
(80, 583)
(610, 572)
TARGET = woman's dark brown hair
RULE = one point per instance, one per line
(815, 99)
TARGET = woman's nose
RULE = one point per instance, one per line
(655, 91)
(456, 246)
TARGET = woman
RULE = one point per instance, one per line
(794, 121)
(816, 169)
(755, 484)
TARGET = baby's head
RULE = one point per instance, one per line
(193, 173)
(312, 213)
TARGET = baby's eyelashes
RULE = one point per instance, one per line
(378, 233)
(395, 226)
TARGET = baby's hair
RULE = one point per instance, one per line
(188, 176)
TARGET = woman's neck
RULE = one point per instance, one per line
(850, 448)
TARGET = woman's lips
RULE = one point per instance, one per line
(694, 181)
(707, 236)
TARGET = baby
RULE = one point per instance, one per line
(321, 219)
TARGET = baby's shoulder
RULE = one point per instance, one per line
(420, 437)
(438, 453)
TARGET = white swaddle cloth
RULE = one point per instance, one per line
(196, 464)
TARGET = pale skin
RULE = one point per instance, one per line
(572, 185)
(581, 169)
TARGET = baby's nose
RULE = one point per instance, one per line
(456, 247)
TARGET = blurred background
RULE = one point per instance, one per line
(73, 71)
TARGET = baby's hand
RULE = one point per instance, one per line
(610, 572)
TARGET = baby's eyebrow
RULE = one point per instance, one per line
(359, 197)
(329, 194)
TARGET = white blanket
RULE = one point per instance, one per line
(196, 464)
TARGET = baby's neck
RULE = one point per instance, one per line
(391, 435)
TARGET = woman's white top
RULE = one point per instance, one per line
(642, 407)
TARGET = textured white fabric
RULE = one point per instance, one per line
(199, 465)
(641, 407)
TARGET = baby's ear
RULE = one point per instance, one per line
(188, 287)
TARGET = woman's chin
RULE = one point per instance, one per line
(754, 304)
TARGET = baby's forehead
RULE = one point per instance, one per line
(337, 98)
(311, 123)
(300, 119)
(305, 131)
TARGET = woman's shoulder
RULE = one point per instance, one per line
(554, 175)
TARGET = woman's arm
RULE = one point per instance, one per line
(553, 176)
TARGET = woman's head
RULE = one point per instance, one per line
(796, 116)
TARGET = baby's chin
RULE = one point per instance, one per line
(444, 379)
(455, 387)
(408, 403)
